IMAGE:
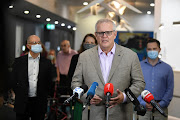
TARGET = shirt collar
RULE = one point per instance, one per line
(112, 50)
(30, 56)
(146, 61)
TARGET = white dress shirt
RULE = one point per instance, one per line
(106, 63)
(33, 70)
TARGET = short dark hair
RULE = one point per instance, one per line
(153, 40)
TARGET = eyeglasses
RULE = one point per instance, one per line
(33, 43)
(108, 33)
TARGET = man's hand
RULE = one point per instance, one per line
(117, 100)
(149, 107)
(95, 100)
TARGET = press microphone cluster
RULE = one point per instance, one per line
(138, 107)
(149, 98)
(108, 92)
(77, 93)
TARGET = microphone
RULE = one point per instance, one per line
(138, 107)
(108, 92)
(90, 93)
(77, 93)
(149, 98)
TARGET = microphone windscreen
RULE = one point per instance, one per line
(147, 96)
(108, 88)
(92, 89)
(84, 87)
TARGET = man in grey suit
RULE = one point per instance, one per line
(109, 63)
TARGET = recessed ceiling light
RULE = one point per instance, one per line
(48, 19)
(74, 28)
(56, 22)
(68, 26)
(152, 4)
(38, 16)
(62, 24)
(85, 3)
(26, 12)
(148, 12)
(11, 6)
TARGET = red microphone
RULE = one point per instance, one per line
(149, 98)
(108, 92)
(108, 88)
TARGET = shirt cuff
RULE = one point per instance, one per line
(125, 97)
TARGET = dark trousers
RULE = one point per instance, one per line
(33, 111)
(64, 87)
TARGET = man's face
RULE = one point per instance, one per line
(105, 40)
(153, 46)
(33, 40)
(65, 46)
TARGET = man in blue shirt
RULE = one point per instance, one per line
(159, 79)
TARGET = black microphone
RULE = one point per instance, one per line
(77, 93)
(149, 98)
(138, 107)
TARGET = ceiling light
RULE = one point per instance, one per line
(111, 14)
(56, 22)
(121, 10)
(116, 4)
(48, 19)
(62, 24)
(85, 3)
(148, 12)
(68, 26)
(152, 4)
(11, 6)
(38, 16)
(26, 12)
(74, 28)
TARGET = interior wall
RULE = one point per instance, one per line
(174, 106)
(168, 35)
(139, 22)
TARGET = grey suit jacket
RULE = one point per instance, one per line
(125, 73)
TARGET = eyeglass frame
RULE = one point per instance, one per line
(34, 43)
(105, 32)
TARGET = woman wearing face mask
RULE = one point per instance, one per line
(88, 42)
(52, 56)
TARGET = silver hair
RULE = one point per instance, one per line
(105, 20)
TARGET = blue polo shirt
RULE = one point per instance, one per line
(159, 81)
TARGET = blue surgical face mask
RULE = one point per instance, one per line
(152, 54)
(88, 46)
(36, 48)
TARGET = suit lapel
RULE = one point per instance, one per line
(116, 60)
(95, 60)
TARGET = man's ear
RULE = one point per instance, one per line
(28, 46)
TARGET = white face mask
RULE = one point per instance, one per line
(36, 48)
(51, 57)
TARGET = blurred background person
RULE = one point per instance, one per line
(6, 110)
(62, 66)
(31, 79)
(88, 42)
(52, 56)
(159, 79)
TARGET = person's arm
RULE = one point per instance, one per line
(137, 79)
(58, 74)
(169, 91)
